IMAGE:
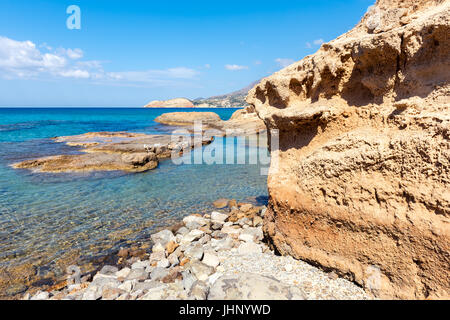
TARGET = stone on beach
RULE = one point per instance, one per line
(217, 216)
(163, 237)
(220, 203)
(159, 273)
(192, 236)
(249, 248)
(210, 260)
(247, 286)
(194, 219)
(194, 252)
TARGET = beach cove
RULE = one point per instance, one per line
(53, 220)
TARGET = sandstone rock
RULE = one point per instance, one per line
(187, 118)
(247, 286)
(108, 270)
(199, 290)
(360, 184)
(200, 270)
(194, 252)
(123, 273)
(159, 273)
(220, 203)
(172, 103)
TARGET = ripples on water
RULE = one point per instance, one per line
(47, 217)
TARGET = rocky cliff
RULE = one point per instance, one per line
(362, 181)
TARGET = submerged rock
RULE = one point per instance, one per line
(112, 151)
(247, 286)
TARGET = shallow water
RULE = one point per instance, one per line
(47, 218)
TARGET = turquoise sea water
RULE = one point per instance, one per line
(45, 218)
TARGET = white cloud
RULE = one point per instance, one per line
(22, 59)
(78, 74)
(74, 53)
(258, 62)
(284, 62)
(207, 66)
(318, 42)
(308, 45)
(153, 76)
(235, 67)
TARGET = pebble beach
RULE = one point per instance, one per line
(217, 256)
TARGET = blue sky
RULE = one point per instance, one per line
(130, 52)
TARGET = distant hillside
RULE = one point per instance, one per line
(234, 99)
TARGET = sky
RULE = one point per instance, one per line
(127, 53)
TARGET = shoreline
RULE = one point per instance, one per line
(191, 259)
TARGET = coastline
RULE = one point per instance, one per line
(192, 260)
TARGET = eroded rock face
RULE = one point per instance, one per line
(362, 185)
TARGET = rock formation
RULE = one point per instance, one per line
(242, 122)
(362, 182)
(111, 151)
(187, 118)
(173, 103)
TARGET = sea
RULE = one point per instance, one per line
(49, 221)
